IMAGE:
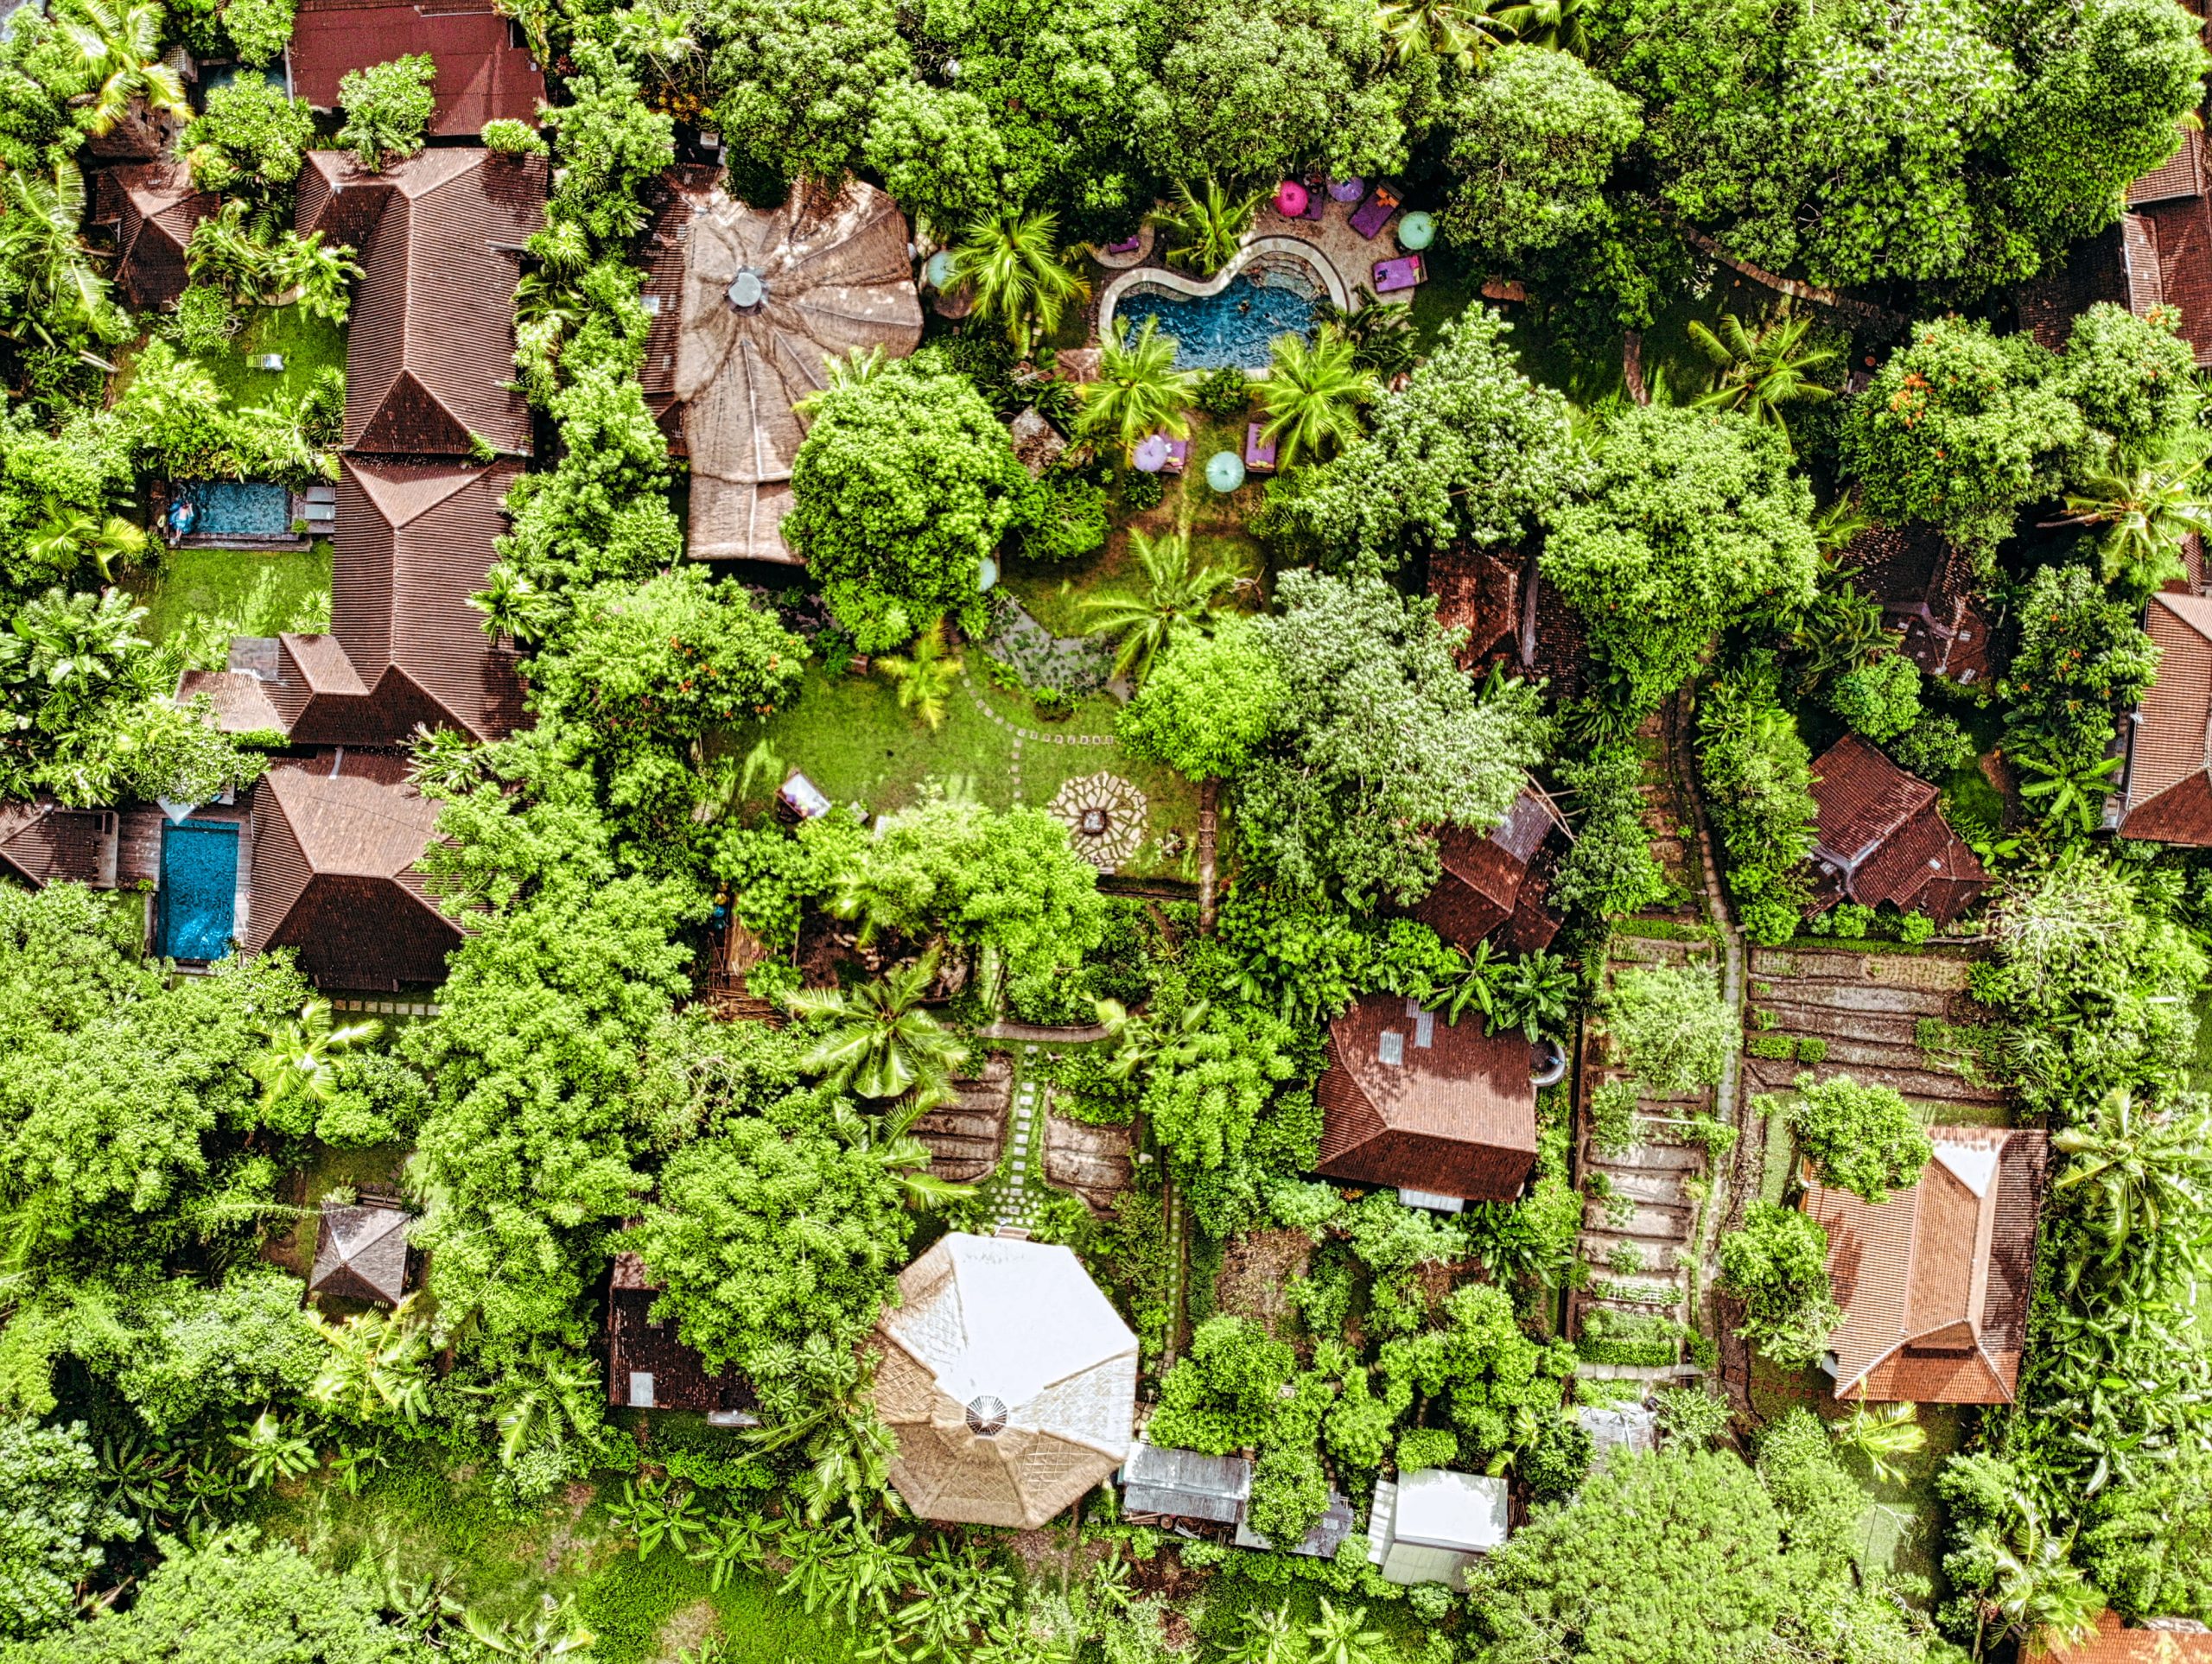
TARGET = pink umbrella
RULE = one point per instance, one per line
(1290, 198)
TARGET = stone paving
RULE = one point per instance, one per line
(1074, 664)
(1015, 1200)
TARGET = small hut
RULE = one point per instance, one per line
(1008, 1379)
(155, 209)
(1184, 1489)
(362, 1253)
(1321, 1541)
(1430, 1526)
(650, 1368)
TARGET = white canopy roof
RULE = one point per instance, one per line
(1439, 1508)
(1009, 1379)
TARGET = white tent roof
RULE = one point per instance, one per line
(1439, 1508)
(1008, 1378)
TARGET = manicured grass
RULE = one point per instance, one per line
(211, 584)
(309, 345)
(851, 739)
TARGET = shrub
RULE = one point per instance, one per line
(506, 136)
(1777, 1265)
(1610, 868)
(1690, 1415)
(1813, 1049)
(1557, 1462)
(1637, 1339)
(258, 29)
(1289, 1494)
(250, 138)
(1863, 1139)
(1914, 928)
(1778, 1046)
(1932, 747)
(1881, 699)
(1625, 1258)
(1614, 1129)
(204, 319)
(1426, 1447)
(388, 107)
(1670, 1027)
(1063, 517)
(1223, 1395)
(1224, 393)
(1142, 491)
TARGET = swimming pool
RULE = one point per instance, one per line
(1237, 326)
(229, 508)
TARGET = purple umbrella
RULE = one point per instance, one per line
(1151, 455)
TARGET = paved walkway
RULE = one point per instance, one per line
(1024, 736)
(1016, 1196)
(1075, 665)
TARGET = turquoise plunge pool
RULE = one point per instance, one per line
(230, 508)
(1237, 326)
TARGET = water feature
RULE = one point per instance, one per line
(1237, 326)
(229, 508)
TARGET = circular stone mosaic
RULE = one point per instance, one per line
(1105, 818)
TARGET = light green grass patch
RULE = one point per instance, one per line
(194, 584)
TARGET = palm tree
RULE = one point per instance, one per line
(1560, 24)
(1204, 232)
(2036, 1593)
(1138, 390)
(1762, 375)
(1344, 1638)
(2147, 503)
(322, 272)
(67, 535)
(849, 1448)
(925, 677)
(548, 1392)
(75, 646)
(877, 1040)
(514, 606)
(1176, 594)
(1012, 266)
(857, 367)
(377, 1363)
(2138, 1166)
(297, 1059)
(40, 244)
(443, 763)
(120, 47)
(1313, 396)
(1449, 30)
(890, 1139)
(1880, 1434)
(1381, 333)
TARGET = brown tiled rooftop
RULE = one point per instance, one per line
(430, 353)
(1488, 879)
(1928, 589)
(1934, 1279)
(2115, 1644)
(2168, 794)
(484, 70)
(154, 208)
(336, 841)
(1880, 837)
(43, 843)
(1479, 595)
(1412, 1101)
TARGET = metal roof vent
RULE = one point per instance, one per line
(1391, 1046)
(986, 1416)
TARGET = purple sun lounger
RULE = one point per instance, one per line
(1404, 272)
(1370, 216)
(1259, 458)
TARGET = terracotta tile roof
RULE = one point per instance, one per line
(1929, 589)
(2114, 1644)
(1880, 836)
(2180, 234)
(1478, 594)
(1553, 639)
(483, 72)
(1934, 1279)
(2071, 282)
(431, 351)
(240, 700)
(1485, 876)
(42, 843)
(1455, 1117)
(333, 877)
(154, 208)
(414, 542)
(834, 275)
(2168, 794)
(2182, 175)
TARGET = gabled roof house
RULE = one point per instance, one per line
(1881, 837)
(1444, 1112)
(334, 845)
(431, 352)
(485, 71)
(1928, 590)
(1934, 1279)
(2166, 794)
(42, 842)
(1496, 881)
(154, 209)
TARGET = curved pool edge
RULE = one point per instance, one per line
(1204, 288)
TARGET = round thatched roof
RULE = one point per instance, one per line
(768, 297)
(1008, 1379)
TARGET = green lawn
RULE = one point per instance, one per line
(500, 1560)
(218, 583)
(848, 735)
(309, 345)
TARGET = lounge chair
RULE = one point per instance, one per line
(1370, 216)
(1259, 457)
(1404, 272)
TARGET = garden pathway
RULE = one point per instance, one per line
(1025, 736)
(1016, 1191)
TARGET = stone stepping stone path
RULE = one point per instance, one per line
(1014, 1198)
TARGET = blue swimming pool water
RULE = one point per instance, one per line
(1236, 326)
(199, 892)
(230, 509)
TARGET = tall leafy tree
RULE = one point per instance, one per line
(799, 79)
(1532, 144)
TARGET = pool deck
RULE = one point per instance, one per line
(1351, 256)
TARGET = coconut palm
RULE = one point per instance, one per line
(1449, 30)
(1560, 24)
(849, 1448)
(324, 273)
(1204, 231)
(296, 1061)
(40, 245)
(547, 1395)
(1177, 594)
(514, 606)
(2147, 503)
(67, 536)
(877, 1039)
(1012, 265)
(75, 646)
(1762, 375)
(120, 47)
(1138, 390)
(2136, 1166)
(924, 676)
(1381, 333)
(1313, 396)
(1880, 1433)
